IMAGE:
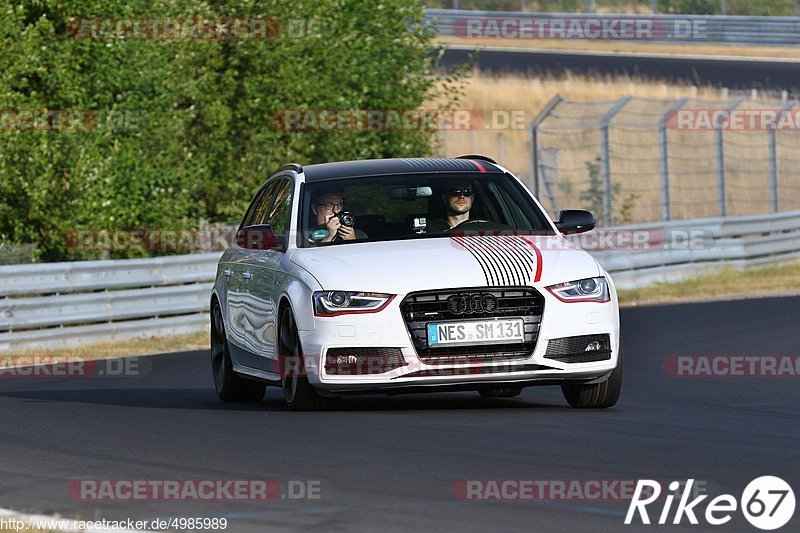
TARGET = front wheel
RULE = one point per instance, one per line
(298, 392)
(599, 395)
(230, 387)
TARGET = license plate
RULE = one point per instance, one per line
(476, 332)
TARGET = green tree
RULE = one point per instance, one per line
(198, 130)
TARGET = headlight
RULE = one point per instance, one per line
(582, 290)
(332, 303)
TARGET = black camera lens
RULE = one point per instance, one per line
(346, 219)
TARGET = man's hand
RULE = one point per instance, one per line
(335, 229)
(333, 226)
(347, 233)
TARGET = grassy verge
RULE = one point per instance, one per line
(105, 350)
(636, 48)
(777, 280)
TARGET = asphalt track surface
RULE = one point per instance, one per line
(735, 73)
(390, 463)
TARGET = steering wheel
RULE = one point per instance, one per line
(470, 222)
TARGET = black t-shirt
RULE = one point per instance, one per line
(437, 225)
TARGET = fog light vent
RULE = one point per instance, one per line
(363, 361)
(580, 349)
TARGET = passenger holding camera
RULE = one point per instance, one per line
(329, 210)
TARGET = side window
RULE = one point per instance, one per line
(257, 214)
(281, 211)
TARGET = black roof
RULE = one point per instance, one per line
(383, 167)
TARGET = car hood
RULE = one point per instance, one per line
(475, 261)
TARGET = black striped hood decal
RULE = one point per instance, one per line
(506, 260)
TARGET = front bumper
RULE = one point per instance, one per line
(387, 329)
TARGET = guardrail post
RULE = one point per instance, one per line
(721, 160)
(662, 136)
(534, 146)
(773, 157)
(605, 156)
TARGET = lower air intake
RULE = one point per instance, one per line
(580, 349)
(363, 361)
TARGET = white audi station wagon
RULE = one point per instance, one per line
(410, 275)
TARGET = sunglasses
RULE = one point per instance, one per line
(329, 205)
(460, 192)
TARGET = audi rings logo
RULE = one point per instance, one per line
(466, 304)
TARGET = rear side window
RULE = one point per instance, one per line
(281, 210)
(257, 213)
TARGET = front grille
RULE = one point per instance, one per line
(573, 349)
(421, 308)
(363, 361)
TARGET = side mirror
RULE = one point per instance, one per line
(575, 221)
(260, 237)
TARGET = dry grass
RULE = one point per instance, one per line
(634, 139)
(776, 280)
(623, 47)
(148, 346)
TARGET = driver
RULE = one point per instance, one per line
(457, 197)
(325, 205)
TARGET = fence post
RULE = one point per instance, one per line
(605, 156)
(773, 157)
(662, 136)
(534, 147)
(721, 160)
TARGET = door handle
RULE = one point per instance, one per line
(227, 272)
(247, 275)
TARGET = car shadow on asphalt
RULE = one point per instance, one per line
(205, 399)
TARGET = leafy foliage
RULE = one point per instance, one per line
(173, 132)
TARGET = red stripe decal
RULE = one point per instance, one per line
(480, 167)
(538, 275)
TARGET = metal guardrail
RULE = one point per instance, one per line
(716, 29)
(58, 305)
(684, 249)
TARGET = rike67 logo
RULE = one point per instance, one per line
(767, 503)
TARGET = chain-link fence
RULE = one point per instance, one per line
(635, 160)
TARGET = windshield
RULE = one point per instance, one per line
(415, 206)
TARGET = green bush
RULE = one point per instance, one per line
(185, 130)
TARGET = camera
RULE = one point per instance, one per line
(346, 218)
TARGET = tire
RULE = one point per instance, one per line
(230, 386)
(297, 391)
(599, 395)
(499, 392)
